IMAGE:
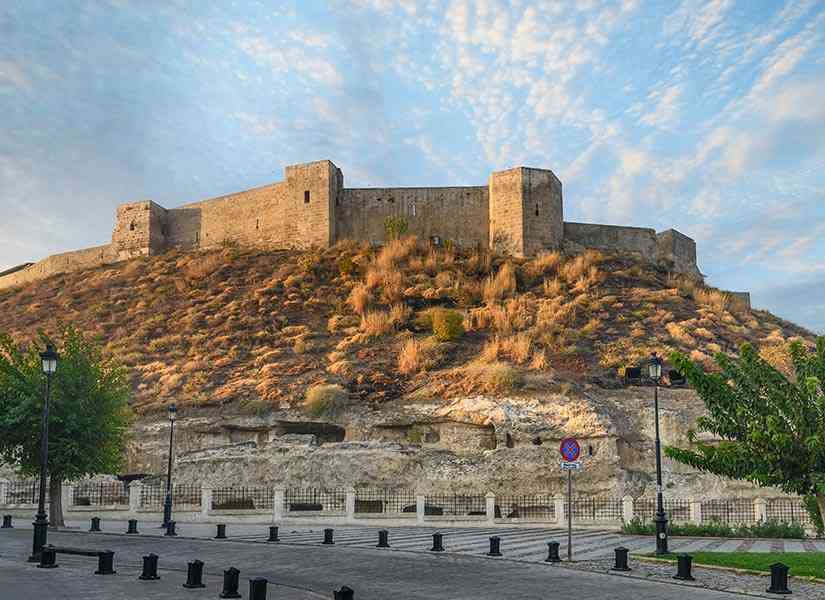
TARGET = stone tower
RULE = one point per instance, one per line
(525, 211)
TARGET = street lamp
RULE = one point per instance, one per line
(167, 503)
(48, 361)
(655, 372)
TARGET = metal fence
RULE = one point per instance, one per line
(788, 510)
(315, 500)
(374, 501)
(100, 493)
(597, 509)
(22, 491)
(731, 512)
(455, 505)
(677, 509)
(183, 494)
(537, 507)
(248, 498)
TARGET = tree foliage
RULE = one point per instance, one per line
(88, 410)
(771, 427)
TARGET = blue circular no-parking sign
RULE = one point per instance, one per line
(570, 449)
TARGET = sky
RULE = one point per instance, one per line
(704, 116)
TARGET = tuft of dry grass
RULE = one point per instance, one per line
(204, 265)
(496, 377)
(581, 266)
(415, 356)
(713, 299)
(324, 399)
(359, 298)
(500, 285)
(539, 361)
(543, 263)
(392, 287)
(553, 287)
(376, 323)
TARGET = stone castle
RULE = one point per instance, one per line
(519, 211)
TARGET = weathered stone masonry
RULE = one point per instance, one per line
(520, 211)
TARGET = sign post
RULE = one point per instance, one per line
(570, 451)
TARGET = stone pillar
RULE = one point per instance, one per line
(627, 509)
(66, 496)
(420, 504)
(350, 504)
(4, 487)
(491, 507)
(559, 502)
(278, 504)
(135, 489)
(695, 511)
(760, 510)
(206, 502)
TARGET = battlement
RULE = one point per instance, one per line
(519, 211)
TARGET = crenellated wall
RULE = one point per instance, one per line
(519, 212)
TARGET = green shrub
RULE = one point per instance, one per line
(395, 227)
(346, 266)
(500, 377)
(324, 399)
(763, 529)
(448, 325)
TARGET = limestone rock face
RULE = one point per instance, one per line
(467, 445)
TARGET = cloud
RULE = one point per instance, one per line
(14, 75)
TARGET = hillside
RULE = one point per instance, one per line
(238, 333)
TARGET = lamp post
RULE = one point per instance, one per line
(655, 372)
(48, 361)
(167, 503)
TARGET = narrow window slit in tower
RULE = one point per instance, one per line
(132, 226)
(257, 223)
(537, 210)
(306, 197)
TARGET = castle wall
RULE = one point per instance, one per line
(613, 237)
(459, 214)
(61, 263)
(679, 250)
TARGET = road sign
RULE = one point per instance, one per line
(571, 465)
(570, 449)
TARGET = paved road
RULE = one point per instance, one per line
(302, 569)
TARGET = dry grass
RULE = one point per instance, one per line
(543, 263)
(581, 266)
(204, 265)
(376, 323)
(392, 287)
(359, 298)
(415, 356)
(713, 299)
(553, 287)
(324, 399)
(500, 285)
(496, 377)
(680, 334)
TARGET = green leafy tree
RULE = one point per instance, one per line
(88, 411)
(771, 427)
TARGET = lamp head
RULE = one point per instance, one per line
(655, 367)
(173, 412)
(48, 360)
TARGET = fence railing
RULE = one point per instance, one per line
(100, 493)
(536, 507)
(183, 494)
(396, 502)
(315, 500)
(351, 504)
(245, 498)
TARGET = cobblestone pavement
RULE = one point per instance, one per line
(304, 570)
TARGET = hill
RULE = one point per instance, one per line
(435, 349)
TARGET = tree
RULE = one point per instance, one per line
(88, 412)
(771, 427)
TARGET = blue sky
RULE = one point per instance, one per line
(705, 116)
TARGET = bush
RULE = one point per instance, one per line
(763, 529)
(395, 227)
(448, 325)
(324, 399)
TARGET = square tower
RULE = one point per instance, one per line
(312, 194)
(525, 211)
(140, 230)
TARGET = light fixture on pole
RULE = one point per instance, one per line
(655, 373)
(48, 363)
(167, 503)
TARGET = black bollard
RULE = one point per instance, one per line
(552, 552)
(438, 545)
(683, 566)
(48, 558)
(345, 593)
(170, 529)
(328, 537)
(621, 560)
(230, 583)
(495, 546)
(132, 526)
(257, 589)
(6, 522)
(106, 563)
(221, 532)
(150, 568)
(779, 579)
(273, 534)
(95, 524)
(194, 575)
(383, 539)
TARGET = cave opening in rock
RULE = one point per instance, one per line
(323, 432)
